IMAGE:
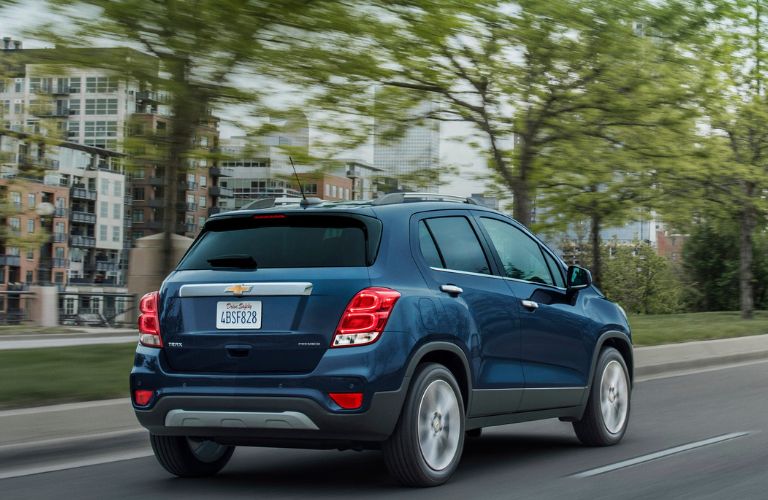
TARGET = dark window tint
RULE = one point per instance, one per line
(557, 271)
(428, 248)
(293, 241)
(521, 257)
(458, 244)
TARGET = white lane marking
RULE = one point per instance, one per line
(74, 464)
(66, 407)
(695, 371)
(140, 431)
(660, 454)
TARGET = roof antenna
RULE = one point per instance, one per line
(304, 202)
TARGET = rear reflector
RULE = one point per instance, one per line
(149, 322)
(142, 397)
(347, 400)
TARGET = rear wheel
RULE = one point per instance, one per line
(190, 457)
(607, 414)
(426, 447)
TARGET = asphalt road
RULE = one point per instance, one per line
(533, 460)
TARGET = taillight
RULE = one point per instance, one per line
(365, 317)
(142, 397)
(347, 400)
(149, 322)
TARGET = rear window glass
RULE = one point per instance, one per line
(291, 241)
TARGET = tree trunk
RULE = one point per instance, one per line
(746, 278)
(597, 261)
(185, 117)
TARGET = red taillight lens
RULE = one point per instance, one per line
(365, 317)
(347, 400)
(142, 397)
(149, 322)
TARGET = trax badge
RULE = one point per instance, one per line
(238, 289)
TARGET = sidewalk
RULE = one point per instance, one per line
(90, 336)
(101, 419)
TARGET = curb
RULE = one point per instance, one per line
(708, 362)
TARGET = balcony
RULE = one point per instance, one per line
(98, 281)
(83, 194)
(188, 186)
(54, 262)
(107, 266)
(149, 97)
(84, 217)
(82, 241)
(128, 200)
(220, 192)
(156, 203)
(10, 260)
(50, 112)
(221, 172)
(59, 237)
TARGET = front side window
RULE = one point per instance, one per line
(458, 245)
(520, 256)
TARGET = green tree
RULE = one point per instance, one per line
(641, 281)
(204, 51)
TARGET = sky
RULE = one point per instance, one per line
(454, 148)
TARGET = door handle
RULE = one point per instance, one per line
(451, 290)
(530, 304)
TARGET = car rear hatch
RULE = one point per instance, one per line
(264, 293)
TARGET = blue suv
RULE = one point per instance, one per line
(403, 324)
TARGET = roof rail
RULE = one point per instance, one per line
(394, 198)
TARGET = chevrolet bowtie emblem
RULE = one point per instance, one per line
(238, 289)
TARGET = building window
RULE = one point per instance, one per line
(327, 190)
(30, 255)
(100, 128)
(201, 221)
(101, 106)
(138, 194)
(30, 226)
(74, 106)
(100, 84)
(59, 252)
(102, 232)
(58, 278)
(18, 85)
(30, 277)
(5, 107)
(203, 181)
(138, 215)
(202, 201)
(73, 129)
(118, 188)
(15, 225)
(105, 186)
(16, 200)
(333, 191)
(138, 174)
(69, 306)
(115, 233)
(31, 200)
(18, 107)
(75, 85)
(103, 209)
(117, 210)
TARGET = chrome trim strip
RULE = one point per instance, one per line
(260, 289)
(497, 277)
(240, 419)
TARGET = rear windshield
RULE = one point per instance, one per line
(285, 241)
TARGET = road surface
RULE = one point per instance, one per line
(698, 435)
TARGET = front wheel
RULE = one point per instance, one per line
(427, 443)
(190, 457)
(607, 413)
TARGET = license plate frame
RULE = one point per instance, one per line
(238, 310)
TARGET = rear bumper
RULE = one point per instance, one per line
(273, 421)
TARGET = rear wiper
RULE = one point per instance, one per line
(238, 260)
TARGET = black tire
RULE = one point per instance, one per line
(592, 429)
(176, 455)
(402, 451)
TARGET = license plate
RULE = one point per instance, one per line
(239, 315)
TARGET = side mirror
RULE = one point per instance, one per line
(578, 278)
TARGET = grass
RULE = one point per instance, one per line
(31, 377)
(674, 328)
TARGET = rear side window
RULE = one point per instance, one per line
(285, 242)
(458, 245)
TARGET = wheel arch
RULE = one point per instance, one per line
(620, 342)
(453, 358)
